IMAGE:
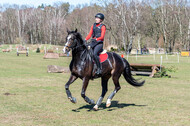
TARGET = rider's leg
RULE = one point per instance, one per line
(97, 50)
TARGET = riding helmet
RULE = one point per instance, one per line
(100, 15)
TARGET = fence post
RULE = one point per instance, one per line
(57, 50)
(45, 50)
(178, 57)
(161, 64)
(166, 56)
(27, 50)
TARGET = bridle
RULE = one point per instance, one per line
(73, 46)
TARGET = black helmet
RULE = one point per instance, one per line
(100, 15)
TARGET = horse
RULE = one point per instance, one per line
(82, 66)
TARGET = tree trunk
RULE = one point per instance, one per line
(139, 42)
(164, 27)
(19, 26)
(130, 44)
(189, 36)
(123, 39)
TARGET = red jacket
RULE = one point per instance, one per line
(103, 31)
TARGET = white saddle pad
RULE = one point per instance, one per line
(104, 51)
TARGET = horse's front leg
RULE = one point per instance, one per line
(84, 87)
(69, 95)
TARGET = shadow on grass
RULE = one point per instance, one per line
(114, 105)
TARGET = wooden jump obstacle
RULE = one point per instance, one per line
(6, 50)
(21, 50)
(145, 69)
(136, 69)
(185, 53)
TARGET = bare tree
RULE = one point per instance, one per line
(127, 21)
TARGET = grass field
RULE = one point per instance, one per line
(29, 96)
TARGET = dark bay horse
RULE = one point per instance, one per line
(82, 65)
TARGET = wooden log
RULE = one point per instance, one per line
(57, 69)
(22, 52)
(50, 51)
(145, 69)
(141, 73)
(144, 65)
(51, 56)
(64, 55)
(6, 50)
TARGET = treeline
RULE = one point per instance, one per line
(130, 23)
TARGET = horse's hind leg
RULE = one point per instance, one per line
(104, 90)
(115, 78)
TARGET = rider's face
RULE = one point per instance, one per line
(98, 20)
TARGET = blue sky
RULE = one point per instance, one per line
(47, 2)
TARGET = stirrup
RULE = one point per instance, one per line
(99, 72)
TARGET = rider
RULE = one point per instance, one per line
(97, 32)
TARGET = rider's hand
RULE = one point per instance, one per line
(93, 40)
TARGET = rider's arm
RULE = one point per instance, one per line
(103, 29)
(90, 33)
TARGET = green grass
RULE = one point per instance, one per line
(38, 98)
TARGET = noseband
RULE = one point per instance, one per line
(73, 46)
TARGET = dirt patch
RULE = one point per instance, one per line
(7, 94)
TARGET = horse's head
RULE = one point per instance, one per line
(73, 40)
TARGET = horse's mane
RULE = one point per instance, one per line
(80, 37)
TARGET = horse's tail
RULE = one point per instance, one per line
(128, 76)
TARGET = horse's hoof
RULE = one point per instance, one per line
(73, 100)
(95, 107)
(108, 103)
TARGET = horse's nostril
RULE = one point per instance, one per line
(66, 49)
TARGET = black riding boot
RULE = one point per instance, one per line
(99, 71)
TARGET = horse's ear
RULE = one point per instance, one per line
(76, 30)
(68, 31)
